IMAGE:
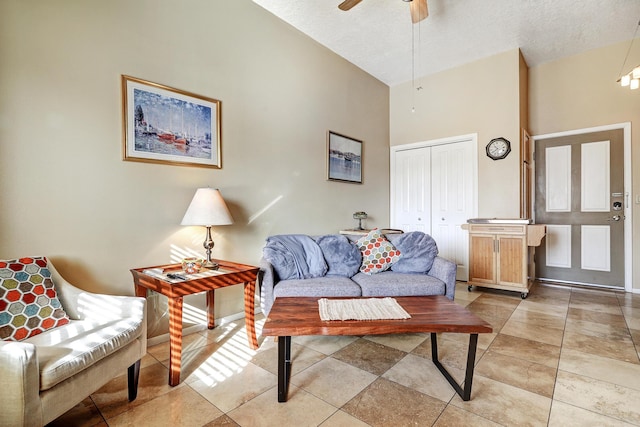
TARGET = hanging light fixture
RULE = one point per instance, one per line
(419, 12)
(632, 78)
(413, 69)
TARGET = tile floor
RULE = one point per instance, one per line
(561, 357)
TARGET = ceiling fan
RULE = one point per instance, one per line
(418, 8)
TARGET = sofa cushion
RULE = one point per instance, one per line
(394, 284)
(72, 348)
(29, 303)
(378, 254)
(418, 252)
(295, 256)
(327, 286)
(343, 258)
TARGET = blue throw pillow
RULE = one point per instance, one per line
(418, 252)
(343, 258)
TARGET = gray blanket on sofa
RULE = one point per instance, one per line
(295, 256)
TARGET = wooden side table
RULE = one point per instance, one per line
(229, 273)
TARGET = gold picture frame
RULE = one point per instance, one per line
(166, 125)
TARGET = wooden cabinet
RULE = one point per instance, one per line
(499, 255)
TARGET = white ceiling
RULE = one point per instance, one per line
(376, 35)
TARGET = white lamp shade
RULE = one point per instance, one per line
(635, 83)
(207, 208)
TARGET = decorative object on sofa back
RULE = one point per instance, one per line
(29, 303)
(378, 254)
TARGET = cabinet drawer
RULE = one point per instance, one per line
(497, 229)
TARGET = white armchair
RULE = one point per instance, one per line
(47, 374)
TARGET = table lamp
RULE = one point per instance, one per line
(207, 209)
(360, 216)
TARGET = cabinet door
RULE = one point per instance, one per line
(512, 258)
(482, 262)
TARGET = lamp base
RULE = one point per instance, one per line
(210, 265)
(208, 245)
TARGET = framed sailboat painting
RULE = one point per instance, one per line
(162, 124)
(344, 158)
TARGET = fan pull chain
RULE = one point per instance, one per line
(413, 69)
(414, 89)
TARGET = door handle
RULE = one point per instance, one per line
(614, 218)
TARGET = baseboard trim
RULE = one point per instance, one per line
(159, 339)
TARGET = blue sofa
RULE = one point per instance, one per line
(328, 266)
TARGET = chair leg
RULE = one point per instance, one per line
(133, 373)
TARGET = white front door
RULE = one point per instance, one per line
(581, 197)
(432, 190)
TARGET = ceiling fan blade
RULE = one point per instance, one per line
(348, 4)
(419, 10)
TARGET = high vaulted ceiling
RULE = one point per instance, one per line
(376, 35)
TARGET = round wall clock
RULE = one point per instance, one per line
(498, 148)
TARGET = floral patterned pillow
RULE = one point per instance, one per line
(378, 254)
(29, 303)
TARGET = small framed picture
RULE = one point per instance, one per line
(344, 158)
(168, 125)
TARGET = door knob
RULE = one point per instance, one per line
(614, 218)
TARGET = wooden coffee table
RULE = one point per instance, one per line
(295, 316)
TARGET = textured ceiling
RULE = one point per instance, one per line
(377, 35)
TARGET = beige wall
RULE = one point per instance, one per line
(67, 194)
(482, 97)
(490, 97)
(581, 92)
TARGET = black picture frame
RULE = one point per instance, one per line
(344, 158)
